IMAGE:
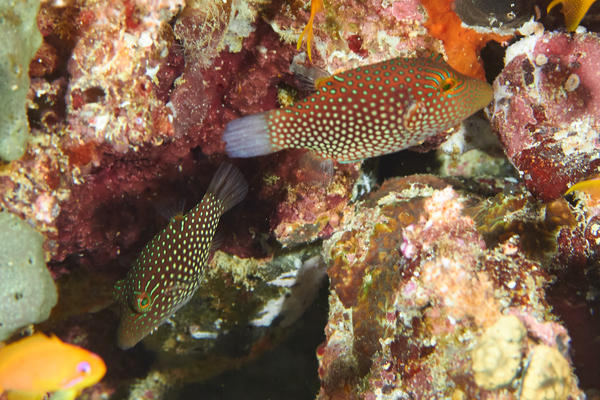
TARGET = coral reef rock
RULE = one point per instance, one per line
(498, 353)
(546, 110)
(455, 287)
(415, 289)
(548, 375)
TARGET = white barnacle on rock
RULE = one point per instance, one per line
(548, 375)
(498, 352)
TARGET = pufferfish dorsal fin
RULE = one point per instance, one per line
(436, 57)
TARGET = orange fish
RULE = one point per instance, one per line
(38, 364)
(315, 7)
(574, 11)
(591, 186)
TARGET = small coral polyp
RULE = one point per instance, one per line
(548, 375)
(498, 353)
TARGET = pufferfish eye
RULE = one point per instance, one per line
(143, 301)
(447, 85)
(140, 302)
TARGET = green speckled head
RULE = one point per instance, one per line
(170, 268)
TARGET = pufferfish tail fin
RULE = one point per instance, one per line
(228, 185)
(248, 136)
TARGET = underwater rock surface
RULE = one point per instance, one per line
(546, 110)
(422, 305)
(480, 282)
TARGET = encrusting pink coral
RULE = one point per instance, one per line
(545, 111)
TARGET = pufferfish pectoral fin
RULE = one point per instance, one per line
(412, 111)
(318, 169)
(309, 79)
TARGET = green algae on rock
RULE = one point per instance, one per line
(27, 291)
(20, 39)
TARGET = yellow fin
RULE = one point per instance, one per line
(591, 186)
(64, 395)
(574, 10)
(19, 395)
(315, 7)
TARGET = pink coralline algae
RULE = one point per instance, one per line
(546, 110)
(134, 110)
(349, 34)
(310, 211)
(135, 95)
(407, 10)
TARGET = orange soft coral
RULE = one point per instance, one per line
(574, 10)
(315, 7)
(462, 45)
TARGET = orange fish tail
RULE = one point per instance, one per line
(574, 11)
(591, 186)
